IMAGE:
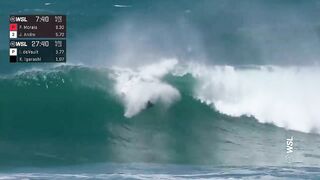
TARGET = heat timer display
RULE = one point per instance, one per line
(37, 38)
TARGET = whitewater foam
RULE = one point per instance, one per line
(285, 96)
(137, 88)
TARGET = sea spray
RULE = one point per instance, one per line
(138, 88)
(285, 96)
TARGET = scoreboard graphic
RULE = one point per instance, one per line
(37, 38)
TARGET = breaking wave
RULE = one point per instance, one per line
(165, 112)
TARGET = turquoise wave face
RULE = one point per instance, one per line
(71, 115)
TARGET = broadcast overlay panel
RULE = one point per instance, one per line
(37, 38)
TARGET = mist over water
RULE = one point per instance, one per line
(213, 32)
(220, 32)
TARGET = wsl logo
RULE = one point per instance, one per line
(290, 145)
(289, 149)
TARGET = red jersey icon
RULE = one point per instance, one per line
(13, 27)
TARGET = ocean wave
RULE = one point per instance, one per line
(284, 96)
(74, 114)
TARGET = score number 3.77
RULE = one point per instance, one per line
(59, 52)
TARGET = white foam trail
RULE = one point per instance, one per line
(286, 97)
(122, 6)
(138, 87)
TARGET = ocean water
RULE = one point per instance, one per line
(166, 90)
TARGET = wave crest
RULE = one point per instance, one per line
(287, 97)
